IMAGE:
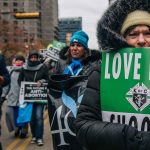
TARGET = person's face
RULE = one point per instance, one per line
(18, 63)
(77, 50)
(34, 58)
(139, 36)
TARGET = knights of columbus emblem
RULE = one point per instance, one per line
(139, 96)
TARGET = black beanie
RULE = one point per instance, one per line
(34, 52)
(35, 63)
(20, 57)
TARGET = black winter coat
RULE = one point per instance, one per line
(34, 75)
(95, 134)
(91, 131)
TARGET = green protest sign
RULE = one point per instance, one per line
(125, 87)
(58, 45)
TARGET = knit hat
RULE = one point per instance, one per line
(19, 57)
(80, 37)
(138, 17)
(111, 22)
(33, 52)
(33, 63)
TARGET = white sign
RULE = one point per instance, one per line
(30, 92)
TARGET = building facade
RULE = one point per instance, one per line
(67, 26)
(29, 29)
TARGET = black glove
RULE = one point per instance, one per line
(145, 143)
(132, 138)
(136, 140)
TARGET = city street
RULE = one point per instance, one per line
(9, 142)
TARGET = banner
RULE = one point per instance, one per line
(125, 87)
(65, 95)
(53, 54)
(30, 92)
(58, 45)
(53, 50)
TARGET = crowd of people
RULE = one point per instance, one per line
(79, 102)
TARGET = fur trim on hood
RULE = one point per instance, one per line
(95, 55)
(109, 26)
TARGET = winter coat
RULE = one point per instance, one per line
(3, 72)
(92, 132)
(89, 123)
(34, 74)
(13, 93)
(95, 134)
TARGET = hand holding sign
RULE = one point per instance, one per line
(39, 83)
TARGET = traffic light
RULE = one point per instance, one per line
(29, 15)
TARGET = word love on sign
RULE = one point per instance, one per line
(125, 87)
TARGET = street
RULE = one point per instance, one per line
(9, 142)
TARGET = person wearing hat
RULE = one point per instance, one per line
(35, 71)
(126, 23)
(78, 59)
(12, 92)
(136, 29)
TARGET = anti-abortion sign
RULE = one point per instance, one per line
(30, 92)
(125, 87)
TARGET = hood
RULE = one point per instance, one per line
(34, 52)
(94, 55)
(109, 26)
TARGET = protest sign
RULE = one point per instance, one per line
(30, 92)
(54, 49)
(65, 95)
(125, 87)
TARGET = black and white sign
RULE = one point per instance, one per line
(53, 53)
(30, 92)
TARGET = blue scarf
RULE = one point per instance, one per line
(74, 68)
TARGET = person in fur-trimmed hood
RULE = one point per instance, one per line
(110, 26)
(126, 23)
(78, 59)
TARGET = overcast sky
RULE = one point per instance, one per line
(89, 10)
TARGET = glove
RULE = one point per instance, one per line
(145, 143)
(135, 139)
(132, 138)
